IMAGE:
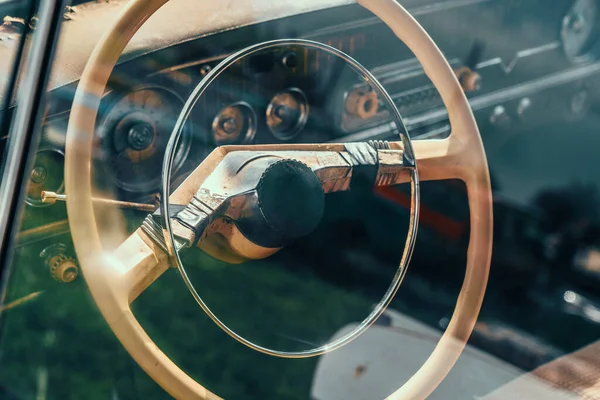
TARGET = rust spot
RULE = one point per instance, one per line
(359, 370)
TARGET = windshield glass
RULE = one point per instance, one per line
(165, 249)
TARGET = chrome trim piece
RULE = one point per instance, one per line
(515, 92)
(477, 103)
(277, 125)
(378, 132)
(155, 232)
(406, 69)
(401, 75)
(577, 304)
(417, 90)
(250, 121)
(508, 68)
(436, 133)
(398, 67)
(411, 68)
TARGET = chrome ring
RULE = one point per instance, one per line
(409, 160)
(38, 203)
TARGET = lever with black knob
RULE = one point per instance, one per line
(470, 80)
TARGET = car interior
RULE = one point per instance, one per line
(301, 199)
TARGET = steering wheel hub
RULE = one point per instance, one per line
(291, 199)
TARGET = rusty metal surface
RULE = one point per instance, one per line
(194, 19)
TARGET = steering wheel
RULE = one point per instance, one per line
(116, 279)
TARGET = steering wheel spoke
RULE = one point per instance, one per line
(145, 254)
(141, 262)
(440, 159)
(143, 257)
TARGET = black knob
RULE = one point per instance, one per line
(140, 136)
(290, 60)
(291, 199)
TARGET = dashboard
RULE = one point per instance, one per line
(521, 63)
(531, 63)
(530, 70)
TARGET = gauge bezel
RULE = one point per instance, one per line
(300, 123)
(103, 131)
(251, 121)
(60, 190)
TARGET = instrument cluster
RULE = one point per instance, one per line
(294, 94)
(283, 94)
(133, 133)
(287, 93)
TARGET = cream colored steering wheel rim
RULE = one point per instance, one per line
(116, 279)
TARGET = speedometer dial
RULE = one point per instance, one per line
(134, 134)
(580, 30)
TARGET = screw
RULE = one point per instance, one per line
(524, 105)
(499, 117)
(290, 60)
(39, 174)
(205, 69)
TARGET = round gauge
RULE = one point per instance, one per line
(47, 175)
(579, 31)
(287, 114)
(235, 124)
(134, 135)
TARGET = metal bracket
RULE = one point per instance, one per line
(153, 227)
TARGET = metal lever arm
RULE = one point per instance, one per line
(52, 198)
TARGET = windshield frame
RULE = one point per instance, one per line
(25, 128)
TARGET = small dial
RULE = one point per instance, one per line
(134, 135)
(47, 175)
(234, 124)
(579, 31)
(287, 114)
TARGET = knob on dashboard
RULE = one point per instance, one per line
(580, 31)
(63, 268)
(469, 80)
(362, 103)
